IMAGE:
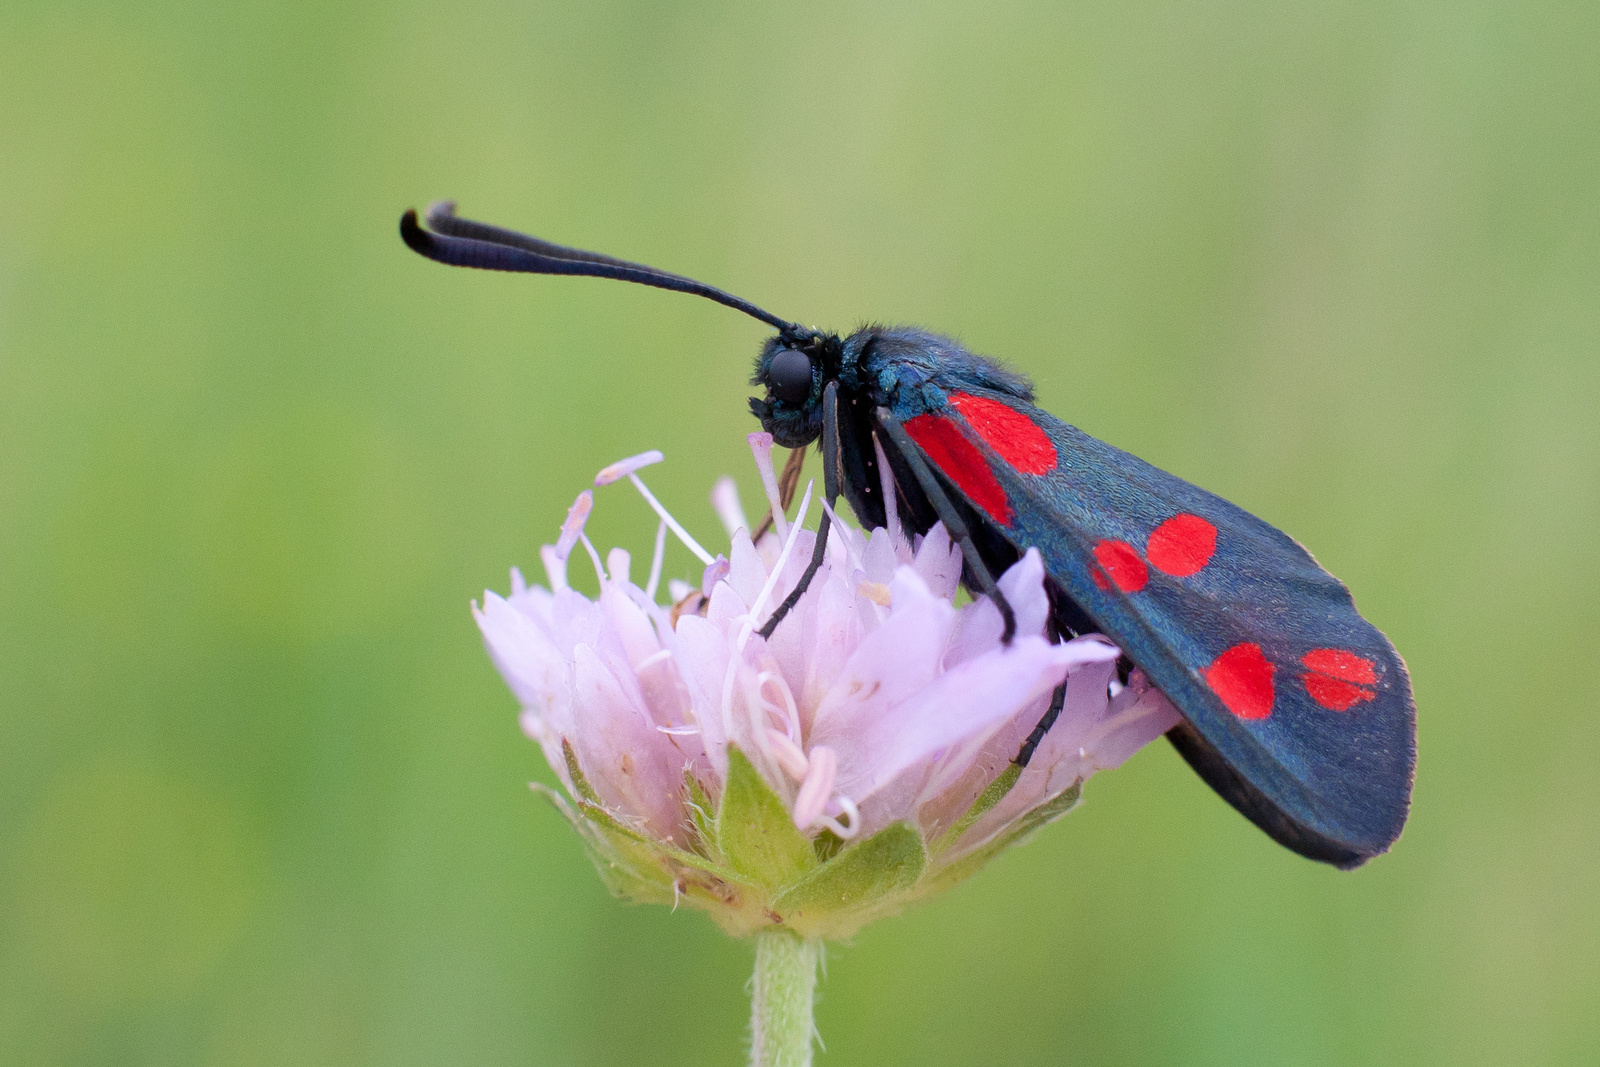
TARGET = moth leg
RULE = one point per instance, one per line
(1057, 699)
(954, 525)
(830, 490)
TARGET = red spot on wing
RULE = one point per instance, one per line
(1341, 664)
(1334, 694)
(1182, 545)
(1017, 438)
(962, 463)
(1242, 678)
(1120, 562)
(1338, 679)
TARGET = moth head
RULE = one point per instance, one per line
(790, 370)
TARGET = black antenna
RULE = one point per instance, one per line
(464, 243)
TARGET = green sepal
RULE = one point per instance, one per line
(1048, 812)
(557, 801)
(991, 795)
(632, 865)
(975, 860)
(702, 815)
(580, 784)
(614, 827)
(750, 869)
(755, 831)
(840, 896)
(827, 845)
(629, 865)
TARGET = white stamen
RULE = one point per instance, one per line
(777, 569)
(618, 563)
(572, 526)
(891, 503)
(677, 589)
(789, 756)
(812, 798)
(842, 541)
(679, 731)
(725, 499)
(656, 561)
(751, 707)
(652, 659)
(624, 467)
(748, 627)
(841, 545)
(788, 713)
(847, 807)
(683, 535)
(594, 557)
(761, 448)
(555, 568)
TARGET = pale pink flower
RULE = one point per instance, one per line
(879, 714)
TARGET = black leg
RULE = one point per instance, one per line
(953, 523)
(830, 490)
(1057, 699)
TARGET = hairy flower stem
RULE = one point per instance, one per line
(780, 1000)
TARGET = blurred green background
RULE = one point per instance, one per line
(262, 797)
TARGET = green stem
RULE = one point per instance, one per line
(780, 1000)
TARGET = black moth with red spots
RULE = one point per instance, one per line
(1297, 710)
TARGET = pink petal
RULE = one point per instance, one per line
(1093, 732)
(631, 625)
(878, 562)
(746, 573)
(701, 652)
(633, 639)
(536, 603)
(981, 627)
(792, 646)
(619, 564)
(799, 560)
(964, 705)
(633, 767)
(533, 668)
(830, 629)
(888, 666)
(938, 561)
(1023, 587)
(1150, 713)
(576, 620)
(1056, 763)
(727, 607)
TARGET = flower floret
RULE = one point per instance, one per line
(856, 759)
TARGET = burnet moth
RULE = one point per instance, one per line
(1296, 709)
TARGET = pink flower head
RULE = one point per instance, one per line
(827, 774)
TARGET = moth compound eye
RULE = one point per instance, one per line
(790, 376)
